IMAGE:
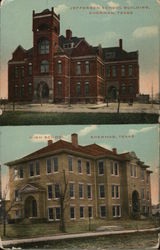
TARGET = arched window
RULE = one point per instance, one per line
(43, 46)
(59, 67)
(123, 89)
(122, 70)
(87, 67)
(44, 66)
(59, 88)
(86, 89)
(22, 90)
(78, 89)
(29, 88)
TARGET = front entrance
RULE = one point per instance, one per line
(112, 93)
(30, 207)
(135, 204)
(42, 91)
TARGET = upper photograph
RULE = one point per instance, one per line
(79, 62)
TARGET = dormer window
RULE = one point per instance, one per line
(43, 46)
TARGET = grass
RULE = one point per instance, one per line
(46, 229)
(38, 118)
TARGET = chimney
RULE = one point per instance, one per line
(121, 44)
(114, 150)
(74, 140)
(68, 34)
(50, 142)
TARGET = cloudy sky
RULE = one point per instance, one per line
(18, 141)
(138, 30)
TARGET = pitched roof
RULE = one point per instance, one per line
(92, 150)
(116, 53)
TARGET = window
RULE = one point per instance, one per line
(44, 66)
(114, 71)
(87, 67)
(148, 177)
(30, 69)
(79, 167)
(115, 191)
(78, 68)
(15, 173)
(16, 90)
(29, 88)
(43, 46)
(89, 191)
(31, 169)
(108, 72)
(72, 212)
(133, 170)
(16, 195)
(16, 72)
(100, 168)
(71, 190)
(142, 174)
(88, 168)
(102, 211)
(21, 172)
(78, 89)
(50, 213)
(70, 164)
(22, 71)
(81, 212)
(122, 70)
(59, 88)
(49, 192)
(147, 195)
(49, 166)
(22, 90)
(111, 165)
(142, 194)
(116, 211)
(37, 168)
(130, 70)
(114, 168)
(123, 89)
(56, 190)
(86, 89)
(101, 191)
(131, 89)
(80, 191)
(58, 213)
(59, 67)
(90, 212)
(55, 164)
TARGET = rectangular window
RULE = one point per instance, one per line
(79, 166)
(29, 88)
(130, 70)
(90, 212)
(49, 166)
(30, 69)
(114, 71)
(100, 168)
(142, 194)
(21, 172)
(86, 89)
(58, 213)
(108, 72)
(122, 70)
(148, 195)
(70, 164)
(22, 71)
(72, 212)
(49, 192)
(31, 169)
(55, 164)
(88, 168)
(22, 90)
(116, 168)
(81, 212)
(101, 191)
(142, 174)
(102, 211)
(111, 165)
(116, 211)
(135, 171)
(50, 213)
(80, 191)
(15, 90)
(56, 190)
(59, 89)
(87, 67)
(71, 190)
(89, 191)
(78, 68)
(16, 195)
(15, 173)
(16, 72)
(59, 67)
(37, 168)
(131, 170)
(115, 191)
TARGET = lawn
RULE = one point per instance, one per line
(38, 118)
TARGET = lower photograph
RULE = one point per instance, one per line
(79, 187)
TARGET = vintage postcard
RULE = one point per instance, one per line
(62, 183)
(92, 57)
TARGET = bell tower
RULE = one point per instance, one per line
(46, 30)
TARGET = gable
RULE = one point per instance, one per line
(28, 188)
(83, 49)
(19, 54)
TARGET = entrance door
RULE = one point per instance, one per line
(135, 204)
(30, 207)
(42, 90)
(112, 93)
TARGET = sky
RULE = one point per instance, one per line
(139, 30)
(18, 141)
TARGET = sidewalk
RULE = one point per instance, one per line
(7, 243)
